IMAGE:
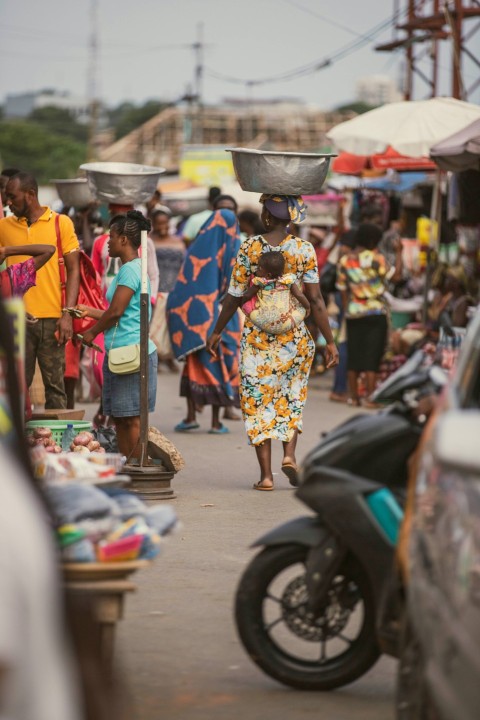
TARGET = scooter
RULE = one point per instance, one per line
(308, 606)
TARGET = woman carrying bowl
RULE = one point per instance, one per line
(274, 369)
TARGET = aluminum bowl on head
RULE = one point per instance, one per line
(122, 183)
(188, 202)
(284, 173)
(74, 193)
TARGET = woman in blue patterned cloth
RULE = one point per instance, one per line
(193, 307)
(274, 369)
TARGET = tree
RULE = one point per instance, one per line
(358, 107)
(60, 121)
(32, 148)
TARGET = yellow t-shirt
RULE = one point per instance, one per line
(44, 300)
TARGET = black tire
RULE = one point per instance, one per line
(254, 596)
(413, 700)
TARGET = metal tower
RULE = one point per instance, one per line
(428, 22)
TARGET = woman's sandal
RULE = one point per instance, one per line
(259, 486)
(291, 471)
(353, 402)
(185, 426)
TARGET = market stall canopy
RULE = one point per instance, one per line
(411, 127)
(350, 164)
(460, 151)
(400, 182)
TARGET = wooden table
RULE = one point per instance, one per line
(106, 585)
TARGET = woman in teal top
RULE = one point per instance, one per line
(121, 326)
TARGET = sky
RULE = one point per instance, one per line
(145, 48)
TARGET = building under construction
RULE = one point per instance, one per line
(275, 126)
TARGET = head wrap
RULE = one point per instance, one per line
(285, 207)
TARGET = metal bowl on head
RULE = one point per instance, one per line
(74, 193)
(282, 173)
(122, 183)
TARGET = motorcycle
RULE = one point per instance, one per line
(308, 607)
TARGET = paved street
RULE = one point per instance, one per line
(177, 644)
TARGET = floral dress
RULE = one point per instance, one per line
(274, 369)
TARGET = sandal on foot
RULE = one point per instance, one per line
(222, 430)
(185, 426)
(291, 471)
(259, 486)
(353, 402)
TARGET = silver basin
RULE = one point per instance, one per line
(185, 205)
(74, 193)
(122, 183)
(285, 173)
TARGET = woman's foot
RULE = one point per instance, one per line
(289, 468)
(354, 402)
(371, 405)
(265, 484)
(338, 397)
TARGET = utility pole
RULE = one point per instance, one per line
(428, 22)
(198, 47)
(92, 90)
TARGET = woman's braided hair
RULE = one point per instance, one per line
(131, 225)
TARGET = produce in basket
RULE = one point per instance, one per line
(83, 438)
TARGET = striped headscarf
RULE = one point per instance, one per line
(285, 207)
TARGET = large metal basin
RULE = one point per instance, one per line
(284, 173)
(122, 183)
(74, 193)
(187, 202)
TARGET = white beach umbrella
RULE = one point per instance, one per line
(409, 127)
(460, 151)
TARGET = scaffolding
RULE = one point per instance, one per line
(159, 141)
(428, 23)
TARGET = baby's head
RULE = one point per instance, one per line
(271, 265)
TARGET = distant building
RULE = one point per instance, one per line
(20, 106)
(377, 90)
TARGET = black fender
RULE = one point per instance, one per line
(307, 530)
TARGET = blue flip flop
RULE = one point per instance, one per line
(222, 430)
(186, 426)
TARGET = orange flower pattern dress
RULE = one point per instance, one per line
(274, 369)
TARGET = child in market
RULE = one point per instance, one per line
(274, 302)
(20, 277)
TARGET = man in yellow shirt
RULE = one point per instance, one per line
(32, 223)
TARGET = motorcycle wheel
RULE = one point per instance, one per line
(292, 645)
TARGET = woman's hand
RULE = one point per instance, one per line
(212, 343)
(84, 309)
(88, 337)
(331, 355)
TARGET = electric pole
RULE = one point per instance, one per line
(92, 90)
(198, 84)
(428, 22)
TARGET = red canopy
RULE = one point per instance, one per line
(348, 164)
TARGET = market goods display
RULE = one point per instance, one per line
(98, 525)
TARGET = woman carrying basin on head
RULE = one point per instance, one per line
(274, 369)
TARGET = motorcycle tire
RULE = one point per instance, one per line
(267, 653)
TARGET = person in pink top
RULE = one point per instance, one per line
(18, 278)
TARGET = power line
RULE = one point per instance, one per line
(315, 66)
